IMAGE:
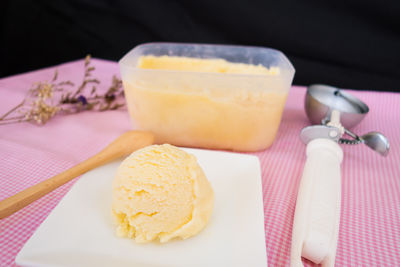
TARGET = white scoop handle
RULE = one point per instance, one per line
(317, 215)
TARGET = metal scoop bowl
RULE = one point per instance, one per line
(321, 100)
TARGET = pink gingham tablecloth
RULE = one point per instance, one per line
(370, 217)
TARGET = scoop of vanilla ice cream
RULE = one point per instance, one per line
(160, 191)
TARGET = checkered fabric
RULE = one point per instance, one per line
(370, 216)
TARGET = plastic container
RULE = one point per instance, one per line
(207, 108)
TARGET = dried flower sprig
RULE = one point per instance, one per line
(48, 99)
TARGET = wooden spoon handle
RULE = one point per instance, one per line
(122, 146)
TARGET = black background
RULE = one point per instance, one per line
(350, 44)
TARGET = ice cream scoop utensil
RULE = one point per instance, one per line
(317, 214)
(123, 145)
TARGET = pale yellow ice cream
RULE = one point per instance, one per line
(209, 103)
(160, 192)
(215, 65)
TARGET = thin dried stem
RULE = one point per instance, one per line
(12, 110)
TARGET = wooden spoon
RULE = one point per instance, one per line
(122, 146)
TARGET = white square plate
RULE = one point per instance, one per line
(80, 231)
